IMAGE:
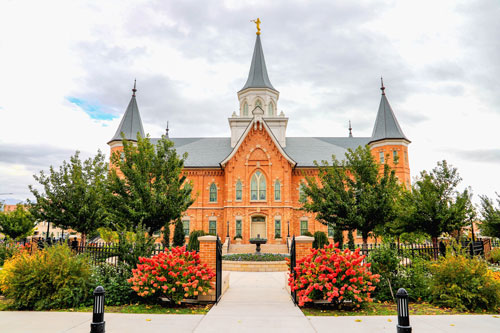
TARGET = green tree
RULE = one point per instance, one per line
(434, 205)
(72, 198)
(166, 235)
(146, 184)
(17, 224)
(179, 237)
(353, 194)
(490, 224)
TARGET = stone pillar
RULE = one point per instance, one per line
(303, 245)
(208, 245)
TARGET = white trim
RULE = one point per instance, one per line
(389, 142)
(255, 122)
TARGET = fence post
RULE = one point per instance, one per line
(403, 312)
(303, 246)
(208, 249)
(97, 324)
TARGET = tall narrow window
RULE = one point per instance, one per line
(277, 228)
(258, 186)
(238, 228)
(302, 195)
(258, 103)
(185, 226)
(270, 109)
(245, 109)
(381, 156)
(212, 227)
(213, 193)
(395, 156)
(330, 230)
(303, 227)
(239, 192)
(277, 190)
(406, 157)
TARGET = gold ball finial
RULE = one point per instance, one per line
(257, 22)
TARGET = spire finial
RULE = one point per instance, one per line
(350, 129)
(166, 130)
(134, 89)
(382, 85)
(257, 22)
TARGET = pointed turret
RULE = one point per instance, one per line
(257, 77)
(131, 123)
(386, 124)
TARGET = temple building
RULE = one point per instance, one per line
(251, 182)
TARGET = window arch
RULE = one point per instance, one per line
(258, 186)
(270, 109)
(213, 193)
(277, 190)
(239, 192)
(258, 103)
(245, 109)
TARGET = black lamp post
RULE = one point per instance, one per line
(48, 228)
(97, 324)
(288, 233)
(227, 229)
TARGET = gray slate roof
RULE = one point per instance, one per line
(386, 124)
(131, 123)
(209, 152)
(257, 77)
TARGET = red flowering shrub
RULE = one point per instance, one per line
(175, 274)
(333, 275)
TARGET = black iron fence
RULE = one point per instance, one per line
(293, 273)
(218, 270)
(108, 253)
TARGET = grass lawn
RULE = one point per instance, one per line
(132, 308)
(381, 309)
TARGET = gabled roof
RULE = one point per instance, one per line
(386, 124)
(258, 121)
(131, 123)
(257, 77)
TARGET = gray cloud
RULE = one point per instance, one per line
(479, 155)
(33, 156)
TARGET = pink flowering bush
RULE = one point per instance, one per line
(175, 274)
(333, 275)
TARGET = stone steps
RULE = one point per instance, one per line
(265, 248)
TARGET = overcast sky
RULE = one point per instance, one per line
(67, 68)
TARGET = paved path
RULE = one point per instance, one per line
(255, 302)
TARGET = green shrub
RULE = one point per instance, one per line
(7, 250)
(114, 281)
(495, 256)
(179, 237)
(464, 283)
(416, 279)
(48, 279)
(194, 243)
(384, 261)
(307, 233)
(129, 250)
(320, 240)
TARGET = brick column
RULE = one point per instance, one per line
(303, 245)
(207, 253)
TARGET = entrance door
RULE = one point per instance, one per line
(258, 227)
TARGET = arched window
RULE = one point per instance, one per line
(277, 190)
(258, 103)
(270, 108)
(258, 186)
(245, 109)
(302, 195)
(239, 191)
(213, 193)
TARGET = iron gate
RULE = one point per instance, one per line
(293, 273)
(218, 270)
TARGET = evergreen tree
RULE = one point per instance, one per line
(17, 224)
(146, 184)
(179, 236)
(353, 194)
(350, 242)
(166, 235)
(72, 198)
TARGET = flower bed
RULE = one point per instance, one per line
(255, 257)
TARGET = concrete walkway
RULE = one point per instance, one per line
(255, 302)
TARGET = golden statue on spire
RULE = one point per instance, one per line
(257, 22)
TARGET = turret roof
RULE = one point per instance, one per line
(131, 123)
(257, 77)
(386, 124)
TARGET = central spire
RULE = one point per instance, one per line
(257, 77)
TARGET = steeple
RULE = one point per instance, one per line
(386, 124)
(257, 77)
(131, 123)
